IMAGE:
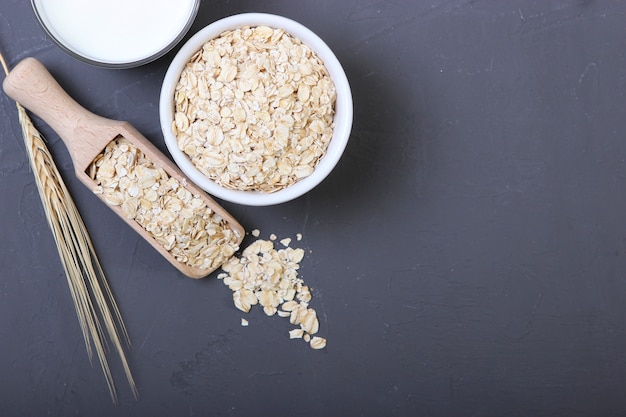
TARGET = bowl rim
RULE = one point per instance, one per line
(343, 108)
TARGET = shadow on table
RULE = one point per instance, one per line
(385, 156)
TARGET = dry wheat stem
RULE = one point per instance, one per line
(92, 296)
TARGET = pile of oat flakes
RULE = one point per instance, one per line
(178, 220)
(268, 276)
(254, 109)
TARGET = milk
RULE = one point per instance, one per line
(115, 31)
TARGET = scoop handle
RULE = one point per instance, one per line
(85, 134)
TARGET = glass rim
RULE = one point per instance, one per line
(121, 64)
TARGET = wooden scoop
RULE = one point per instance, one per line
(86, 135)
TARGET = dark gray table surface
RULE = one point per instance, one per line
(468, 253)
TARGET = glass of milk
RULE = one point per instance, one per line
(116, 33)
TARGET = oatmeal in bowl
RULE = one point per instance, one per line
(256, 109)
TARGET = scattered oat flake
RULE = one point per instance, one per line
(273, 237)
(244, 322)
(286, 241)
(299, 237)
(296, 333)
(255, 232)
(318, 342)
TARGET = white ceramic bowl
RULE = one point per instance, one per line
(342, 120)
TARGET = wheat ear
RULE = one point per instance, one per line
(92, 296)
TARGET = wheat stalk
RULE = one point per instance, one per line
(92, 296)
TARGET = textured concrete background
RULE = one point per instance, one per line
(468, 254)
